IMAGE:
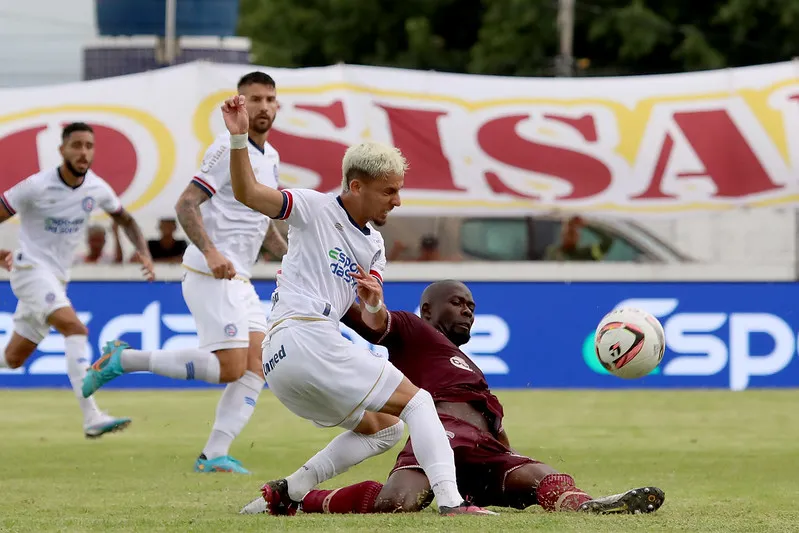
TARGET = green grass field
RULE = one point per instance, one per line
(727, 461)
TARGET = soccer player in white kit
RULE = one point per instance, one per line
(335, 253)
(54, 207)
(226, 238)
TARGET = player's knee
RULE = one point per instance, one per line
(387, 438)
(421, 400)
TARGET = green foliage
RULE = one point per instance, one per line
(520, 37)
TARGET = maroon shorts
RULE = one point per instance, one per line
(482, 463)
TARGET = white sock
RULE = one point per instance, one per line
(233, 411)
(432, 448)
(3, 362)
(343, 452)
(178, 364)
(77, 363)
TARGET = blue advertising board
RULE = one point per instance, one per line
(526, 335)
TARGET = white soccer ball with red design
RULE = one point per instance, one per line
(629, 343)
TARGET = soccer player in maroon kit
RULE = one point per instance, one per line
(489, 471)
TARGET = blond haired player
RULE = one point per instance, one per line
(335, 253)
(226, 238)
(54, 207)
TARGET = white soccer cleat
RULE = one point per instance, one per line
(103, 423)
(257, 506)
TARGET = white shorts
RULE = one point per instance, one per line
(224, 310)
(39, 293)
(323, 377)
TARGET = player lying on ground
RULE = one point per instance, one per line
(335, 253)
(54, 207)
(226, 237)
(489, 471)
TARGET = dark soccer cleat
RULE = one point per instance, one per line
(636, 501)
(276, 496)
(464, 508)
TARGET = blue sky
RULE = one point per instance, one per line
(40, 40)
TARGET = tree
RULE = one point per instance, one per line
(519, 37)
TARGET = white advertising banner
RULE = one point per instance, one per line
(477, 145)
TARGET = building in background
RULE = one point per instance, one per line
(132, 36)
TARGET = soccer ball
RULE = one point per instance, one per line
(629, 343)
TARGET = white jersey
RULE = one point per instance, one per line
(325, 246)
(54, 217)
(237, 231)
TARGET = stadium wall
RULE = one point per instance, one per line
(726, 329)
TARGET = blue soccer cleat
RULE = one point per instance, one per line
(108, 367)
(103, 424)
(224, 463)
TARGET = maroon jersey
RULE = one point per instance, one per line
(432, 362)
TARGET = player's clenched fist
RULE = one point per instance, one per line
(220, 265)
(235, 114)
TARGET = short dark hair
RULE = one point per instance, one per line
(257, 77)
(72, 128)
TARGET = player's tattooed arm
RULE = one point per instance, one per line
(190, 218)
(274, 243)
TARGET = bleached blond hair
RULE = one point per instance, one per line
(371, 160)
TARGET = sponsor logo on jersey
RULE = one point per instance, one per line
(63, 225)
(212, 159)
(460, 363)
(231, 330)
(343, 265)
(269, 364)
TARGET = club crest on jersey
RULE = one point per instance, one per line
(88, 204)
(460, 363)
(231, 330)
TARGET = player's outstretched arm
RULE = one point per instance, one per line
(136, 237)
(246, 188)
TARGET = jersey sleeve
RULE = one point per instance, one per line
(379, 263)
(19, 196)
(300, 206)
(108, 200)
(214, 171)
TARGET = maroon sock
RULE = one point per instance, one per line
(556, 492)
(359, 499)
